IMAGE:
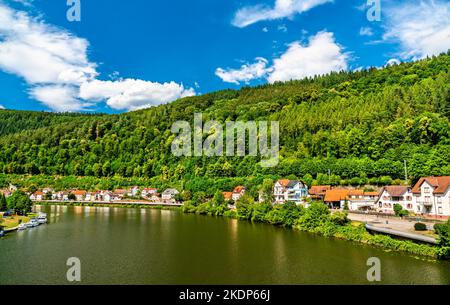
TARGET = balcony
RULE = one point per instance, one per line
(425, 203)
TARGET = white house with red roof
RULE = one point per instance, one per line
(431, 196)
(395, 194)
(238, 192)
(290, 190)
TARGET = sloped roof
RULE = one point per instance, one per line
(239, 189)
(319, 189)
(228, 195)
(336, 195)
(440, 184)
(78, 192)
(396, 190)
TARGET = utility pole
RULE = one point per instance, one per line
(406, 172)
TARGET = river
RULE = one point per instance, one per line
(148, 246)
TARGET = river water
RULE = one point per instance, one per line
(147, 246)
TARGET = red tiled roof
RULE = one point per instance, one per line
(440, 184)
(284, 182)
(336, 195)
(79, 193)
(319, 189)
(227, 195)
(239, 189)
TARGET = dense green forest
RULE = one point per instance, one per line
(359, 125)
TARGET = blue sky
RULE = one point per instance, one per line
(127, 55)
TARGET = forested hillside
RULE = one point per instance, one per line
(359, 125)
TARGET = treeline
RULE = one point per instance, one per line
(357, 125)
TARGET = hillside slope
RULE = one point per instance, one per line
(360, 125)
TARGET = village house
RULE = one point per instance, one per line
(359, 200)
(317, 192)
(37, 196)
(395, 194)
(238, 192)
(431, 196)
(155, 197)
(118, 194)
(148, 192)
(133, 192)
(169, 194)
(228, 196)
(336, 198)
(290, 190)
(79, 195)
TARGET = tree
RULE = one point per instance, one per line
(20, 202)
(71, 196)
(3, 203)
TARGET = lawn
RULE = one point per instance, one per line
(13, 221)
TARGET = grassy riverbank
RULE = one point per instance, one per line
(316, 219)
(13, 221)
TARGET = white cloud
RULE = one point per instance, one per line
(265, 29)
(420, 27)
(392, 61)
(2, 107)
(133, 94)
(365, 31)
(282, 9)
(322, 55)
(245, 73)
(282, 28)
(61, 98)
(55, 64)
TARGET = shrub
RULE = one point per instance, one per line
(420, 226)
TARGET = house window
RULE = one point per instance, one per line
(409, 206)
(426, 190)
(439, 210)
(439, 199)
(427, 199)
(408, 198)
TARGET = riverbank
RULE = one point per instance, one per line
(11, 222)
(315, 219)
(108, 205)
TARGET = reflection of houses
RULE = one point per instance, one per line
(431, 196)
(238, 192)
(169, 194)
(395, 194)
(290, 190)
(317, 192)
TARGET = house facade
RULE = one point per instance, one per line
(290, 190)
(169, 194)
(431, 196)
(359, 200)
(392, 195)
(238, 192)
(317, 192)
